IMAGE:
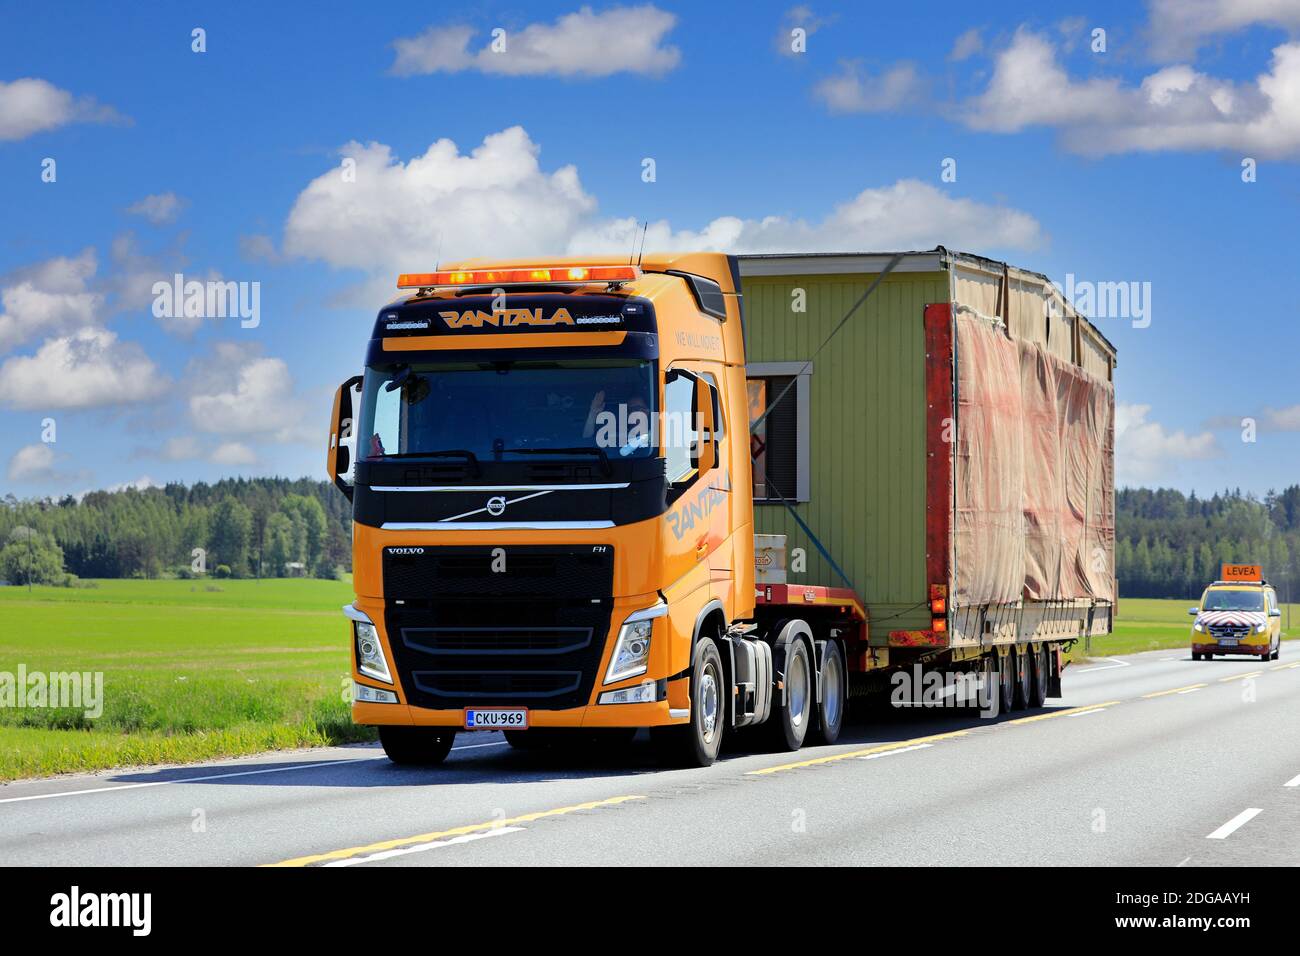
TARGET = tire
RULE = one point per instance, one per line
(697, 743)
(829, 712)
(1195, 656)
(1041, 669)
(792, 714)
(1024, 680)
(421, 746)
(991, 689)
(1006, 682)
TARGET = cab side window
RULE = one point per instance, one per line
(679, 436)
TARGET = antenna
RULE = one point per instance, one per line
(437, 256)
(644, 229)
(631, 253)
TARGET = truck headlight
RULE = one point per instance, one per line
(370, 653)
(632, 649)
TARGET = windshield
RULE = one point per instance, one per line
(1233, 601)
(495, 410)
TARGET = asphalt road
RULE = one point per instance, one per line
(1151, 759)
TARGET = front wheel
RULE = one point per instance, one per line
(423, 746)
(697, 743)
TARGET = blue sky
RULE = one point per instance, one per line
(1114, 165)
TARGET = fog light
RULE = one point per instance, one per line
(372, 695)
(646, 693)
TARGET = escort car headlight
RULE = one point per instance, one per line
(632, 649)
(1261, 628)
(1198, 627)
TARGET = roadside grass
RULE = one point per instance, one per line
(1147, 624)
(188, 673)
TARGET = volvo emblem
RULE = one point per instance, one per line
(496, 505)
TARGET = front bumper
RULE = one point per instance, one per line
(658, 714)
(1213, 647)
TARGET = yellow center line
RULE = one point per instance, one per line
(443, 834)
(1240, 676)
(1283, 667)
(858, 753)
(1176, 690)
(1062, 713)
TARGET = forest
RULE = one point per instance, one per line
(1168, 544)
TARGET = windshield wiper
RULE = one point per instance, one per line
(470, 458)
(592, 451)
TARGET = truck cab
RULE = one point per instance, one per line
(549, 470)
(1237, 615)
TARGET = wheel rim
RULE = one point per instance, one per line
(831, 702)
(709, 702)
(797, 681)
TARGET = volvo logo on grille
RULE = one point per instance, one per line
(496, 505)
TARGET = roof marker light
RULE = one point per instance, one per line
(529, 276)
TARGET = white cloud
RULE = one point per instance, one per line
(36, 464)
(1145, 450)
(159, 208)
(967, 45)
(442, 205)
(907, 215)
(49, 298)
(90, 368)
(181, 448)
(585, 43)
(1283, 419)
(30, 105)
(1179, 27)
(1175, 108)
(498, 201)
(239, 392)
(853, 90)
(234, 453)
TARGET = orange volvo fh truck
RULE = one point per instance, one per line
(549, 466)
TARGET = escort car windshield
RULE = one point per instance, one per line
(1233, 601)
(501, 410)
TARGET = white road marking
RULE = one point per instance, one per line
(890, 753)
(1085, 713)
(420, 848)
(216, 776)
(1244, 817)
(1293, 782)
(1116, 662)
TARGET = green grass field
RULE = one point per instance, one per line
(192, 670)
(201, 669)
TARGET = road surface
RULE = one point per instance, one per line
(1151, 759)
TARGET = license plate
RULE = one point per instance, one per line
(1227, 642)
(496, 718)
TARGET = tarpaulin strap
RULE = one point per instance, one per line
(889, 267)
(821, 549)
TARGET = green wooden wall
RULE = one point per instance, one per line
(867, 493)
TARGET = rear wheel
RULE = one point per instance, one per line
(426, 746)
(830, 709)
(792, 714)
(1041, 674)
(1006, 681)
(989, 696)
(697, 743)
(1024, 679)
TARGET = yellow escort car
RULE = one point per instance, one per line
(1239, 614)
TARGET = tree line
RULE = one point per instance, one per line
(237, 527)
(1170, 545)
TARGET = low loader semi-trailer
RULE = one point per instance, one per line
(558, 471)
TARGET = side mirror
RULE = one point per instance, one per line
(706, 441)
(338, 457)
(1193, 610)
(1276, 612)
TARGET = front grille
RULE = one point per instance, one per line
(1238, 631)
(468, 630)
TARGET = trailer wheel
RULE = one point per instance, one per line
(1024, 679)
(425, 746)
(988, 701)
(1006, 681)
(1042, 671)
(792, 714)
(830, 709)
(697, 743)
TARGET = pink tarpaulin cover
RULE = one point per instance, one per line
(1033, 471)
